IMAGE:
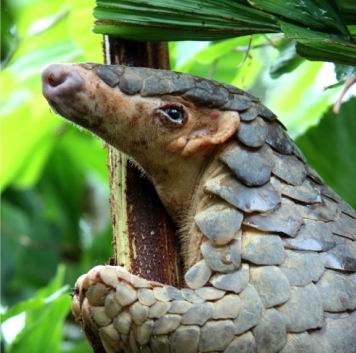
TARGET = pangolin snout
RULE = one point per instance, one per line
(61, 81)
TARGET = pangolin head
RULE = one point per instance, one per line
(169, 123)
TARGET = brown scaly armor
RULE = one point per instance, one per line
(269, 248)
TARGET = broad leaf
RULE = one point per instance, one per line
(330, 148)
(187, 19)
(318, 26)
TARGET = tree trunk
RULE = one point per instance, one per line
(144, 238)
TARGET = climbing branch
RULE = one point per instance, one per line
(144, 239)
(143, 235)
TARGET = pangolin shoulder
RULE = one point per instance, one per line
(297, 238)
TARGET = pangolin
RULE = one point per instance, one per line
(269, 249)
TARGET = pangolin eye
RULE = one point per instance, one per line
(175, 115)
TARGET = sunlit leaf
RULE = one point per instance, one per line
(31, 172)
(53, 290)
(44, 201)
(231, 61)
(22, 94)
(27, 130)
(44, 323)
(34, 62)
(299, 98)
(181, 52)
(219, 49)
(28, 12)
(80, 33)
(46, 23)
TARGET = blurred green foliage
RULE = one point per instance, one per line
(53, 177)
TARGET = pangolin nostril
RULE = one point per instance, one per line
(61, 81)
(54, 81)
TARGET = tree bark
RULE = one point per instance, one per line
(144, 238)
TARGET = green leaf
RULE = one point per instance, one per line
(181, 52)
(174, 20)
(43, 328)
(328, 52)
(32, 63)
(44, 318)
(299, 99)
(31, 304)
(322, 30)
(86, 151)
(25, 12)
(28, 130)
(234, 61)
(330, 148)
(80, 32)
(31, 172)
(315, 45)
(219, 49)
(315, 14)
(53, 290)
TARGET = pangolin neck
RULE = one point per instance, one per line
(190, 236)
(178, 186)
(181, 190)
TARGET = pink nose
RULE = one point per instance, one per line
(61, 81)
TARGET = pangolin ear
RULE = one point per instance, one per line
(225, 126)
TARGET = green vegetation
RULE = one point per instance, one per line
(322, 29)
(55, 214)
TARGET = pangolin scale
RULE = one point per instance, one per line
(269, 248)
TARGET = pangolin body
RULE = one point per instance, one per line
(269, 248)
